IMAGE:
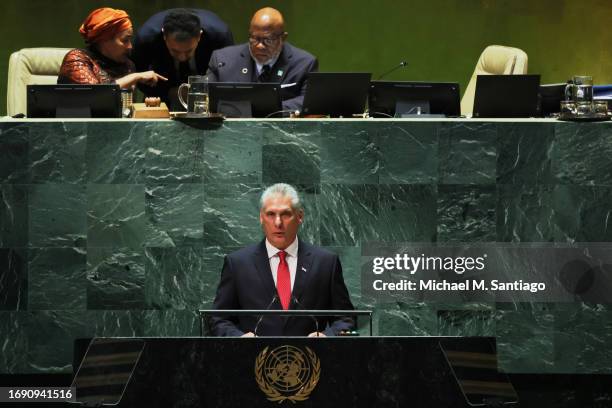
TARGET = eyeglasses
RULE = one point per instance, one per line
(267, 41)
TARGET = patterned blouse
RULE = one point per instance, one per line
(87, 66)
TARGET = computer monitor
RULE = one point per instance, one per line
(603, 93)
(245, 99)
(551, 96)
(74, 101)
(506, 96)
(105, 371)
(473, 364)
(401, 99)
(336, 94)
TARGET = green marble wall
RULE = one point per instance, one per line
(119, 228)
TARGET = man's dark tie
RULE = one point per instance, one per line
(184, 71)
(266, 74)
(283, 280)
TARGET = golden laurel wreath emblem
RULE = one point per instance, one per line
(287, 373)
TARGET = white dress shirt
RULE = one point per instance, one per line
(291, 258)
(259, 66)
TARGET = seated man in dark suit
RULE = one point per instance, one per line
(267, 57)
(177, 43)
(281, 272)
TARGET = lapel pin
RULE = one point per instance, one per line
(279, 73)
(304, 269)
(245, 70)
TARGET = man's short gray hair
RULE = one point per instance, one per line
(284, 190)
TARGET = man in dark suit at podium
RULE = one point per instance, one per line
(281, 272)
(267, 57)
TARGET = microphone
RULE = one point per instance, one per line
(274, 300)
(298, 305)
(395, 68)
(290, 111)
(215, 68)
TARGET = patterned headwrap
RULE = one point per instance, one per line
(103, 24)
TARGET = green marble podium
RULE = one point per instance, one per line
(119, 228)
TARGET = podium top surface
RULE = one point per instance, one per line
(250, 312)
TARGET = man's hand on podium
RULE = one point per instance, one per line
(249, 334)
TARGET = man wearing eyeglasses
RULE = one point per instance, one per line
(266, 57)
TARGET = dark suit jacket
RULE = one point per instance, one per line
(247, 283)
(150, 51)
(235, 64)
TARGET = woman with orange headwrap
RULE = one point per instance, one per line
(108, 35)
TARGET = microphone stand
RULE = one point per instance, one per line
(402, 64)
(274, 299)
(395, 68)
(298, 305)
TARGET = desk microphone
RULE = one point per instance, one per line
(295, 301)
(274, 300)
(395, 68)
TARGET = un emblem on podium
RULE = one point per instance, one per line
(287, 373)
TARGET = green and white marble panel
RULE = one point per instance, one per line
(115, 153)
(57, 279)
(14, 215)
(467, 153)
(115, 279)
(116, 215)
(14, 153)
(119, 228)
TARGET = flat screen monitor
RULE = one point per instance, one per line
(473, 363)
(603, 93)
(336, 94)
(105, 371)
(245, 99)
(551, 96)
(506, 96)
(74, 101)
(401, 99)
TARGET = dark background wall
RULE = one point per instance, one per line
(441, 39)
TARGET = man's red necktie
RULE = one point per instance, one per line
(283, 281)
